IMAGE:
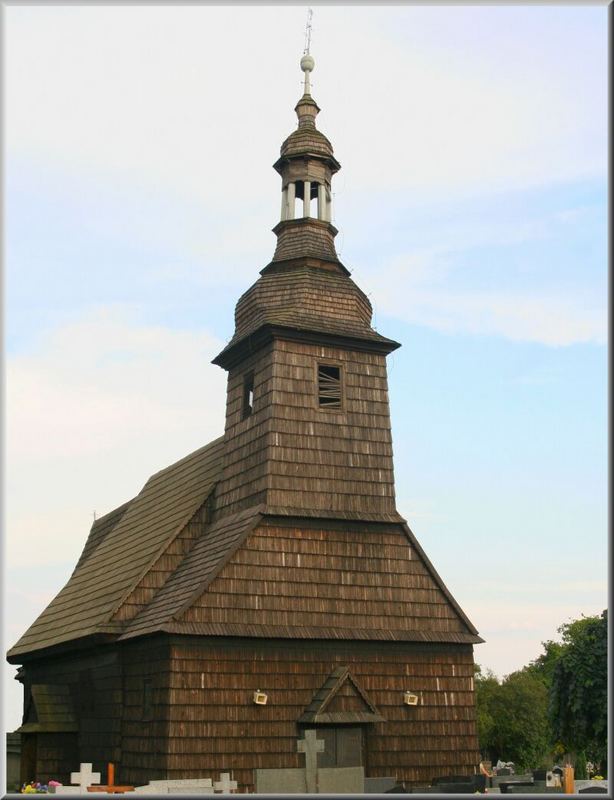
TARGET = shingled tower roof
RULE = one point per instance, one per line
(305, 287)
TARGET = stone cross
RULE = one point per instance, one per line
(225, 785)
(311, 746)
(85, 777)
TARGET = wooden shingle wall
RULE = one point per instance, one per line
(145, 726)
(293, 455)
(95, 684)
(354, 580)
(215, 726)
(246, 441)
(325, 460)
(305, 237)
(56, 757)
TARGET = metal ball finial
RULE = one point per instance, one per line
(307, 63)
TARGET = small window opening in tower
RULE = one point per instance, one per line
(329, 386)
(248, 395)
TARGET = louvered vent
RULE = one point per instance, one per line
(329, 386)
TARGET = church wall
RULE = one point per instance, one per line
(145, 711)
(325, 460)
(95, 682)
(291, 454)
(214, 725)
(243, 482)
(358, 578)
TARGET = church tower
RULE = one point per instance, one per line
(307, 416)
(260, 608)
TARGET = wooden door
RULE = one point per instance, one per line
(343, 746)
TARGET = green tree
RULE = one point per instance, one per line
(578, 695)
(543, 665)
(512, 717)
(486, 688)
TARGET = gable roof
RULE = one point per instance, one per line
(120, 555)
(321, 709)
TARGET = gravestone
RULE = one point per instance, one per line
(280, 781)
(178, 786)
(311, 746)
(331, 780)
(341, 780)
(583, 786)
(225, 785)
(379, 785)
(85, 777)
(84, 780)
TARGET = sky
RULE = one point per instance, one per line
(471, 207)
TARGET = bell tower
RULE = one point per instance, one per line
(307, 417)
(306, 166)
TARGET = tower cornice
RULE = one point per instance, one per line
(234, 353)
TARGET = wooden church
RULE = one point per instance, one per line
(265, 584)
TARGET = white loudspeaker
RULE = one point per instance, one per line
(410, 699)
(260, 698)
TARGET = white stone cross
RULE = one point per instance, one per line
(225, 785)
(85, 777)
(311, 746)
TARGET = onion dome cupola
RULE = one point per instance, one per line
(305, 289)
(306, 165)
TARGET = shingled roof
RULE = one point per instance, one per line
(124, 546)
(116, 557)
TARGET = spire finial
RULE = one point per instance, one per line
(307, 62)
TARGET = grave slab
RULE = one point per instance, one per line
(341, 780)
(578, 785)
(280, 781)
(204, 782)
(379, 785)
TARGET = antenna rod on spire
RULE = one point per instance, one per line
(308, 32)
(307, 62)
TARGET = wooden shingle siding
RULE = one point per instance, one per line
(213, 721)
(305, 237)
(194, 573)
(95, 678)
(291, 453)
(144, 740)
(309, 577)
(302, 296)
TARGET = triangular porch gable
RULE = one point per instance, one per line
(341, 700)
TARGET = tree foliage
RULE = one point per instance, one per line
(513, 718)
(578, 696)
(556, 704)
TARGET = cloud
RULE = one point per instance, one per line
(92, 411)
(195, 101)
(437, 289)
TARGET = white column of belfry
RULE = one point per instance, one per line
(306, 197)
(321, 201)
(291, 195)
(284, 203)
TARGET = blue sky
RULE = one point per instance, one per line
(471, 207)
